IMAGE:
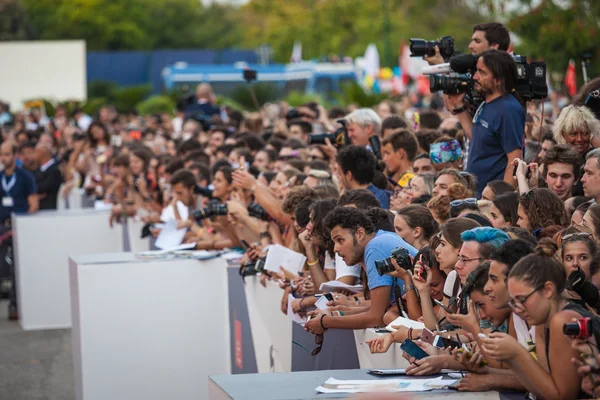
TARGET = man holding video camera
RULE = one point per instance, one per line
(498, 125)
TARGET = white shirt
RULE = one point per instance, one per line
(47, 165)
(341, 268)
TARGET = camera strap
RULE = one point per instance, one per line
(398, 297)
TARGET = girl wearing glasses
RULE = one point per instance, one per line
(536, 284)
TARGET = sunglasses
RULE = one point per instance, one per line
(576, 235)
(318, 341)
(458, 203)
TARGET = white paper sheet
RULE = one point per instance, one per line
(388, 385)
(279, 256)
(170, 237)
(409, 323)
(332, 286)
(321, 304)
(100, 205)
(293, 316)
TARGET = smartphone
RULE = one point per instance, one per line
(427, 336)
(439, 303)
(527, 174)
(441, 342)
(245, 244)
(328, 296)
(411, 348)
(381, 330)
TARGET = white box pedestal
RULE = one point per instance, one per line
(43, 243)
(149, 330)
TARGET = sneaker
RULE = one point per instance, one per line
(13, 313)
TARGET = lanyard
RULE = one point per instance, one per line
(8, 186)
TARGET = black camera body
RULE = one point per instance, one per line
(421, 47)
(257, 211)
(213, 209)
(400, 255)
(252, 268)
(338, 138)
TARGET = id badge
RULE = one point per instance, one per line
(8, 201)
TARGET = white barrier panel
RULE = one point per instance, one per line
(149, 330)
(390, 359)
(43, 243)
(271, 329)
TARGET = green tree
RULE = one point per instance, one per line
(14, 21)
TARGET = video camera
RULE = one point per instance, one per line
(338, 138)
(421, 47)
(530, 83)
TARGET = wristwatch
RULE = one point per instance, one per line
(459, 110)
(408, 288)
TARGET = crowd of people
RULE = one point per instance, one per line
(487, 217)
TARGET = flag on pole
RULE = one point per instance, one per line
(296, 53)
(570, 79)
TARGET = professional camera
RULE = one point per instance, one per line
(420, 47)
(401, 256)
(257, 211)
(252, 268)
(451, 84)
(338, 138)
(213, 209)
(582, 329)
(530, 83)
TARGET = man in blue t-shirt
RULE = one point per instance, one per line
(358, 242)
(355, 169)
(498, 126)
(19, 195)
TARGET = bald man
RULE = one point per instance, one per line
(204, 106)
(48, 178)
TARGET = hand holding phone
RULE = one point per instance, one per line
(439, 303)
(413, 350)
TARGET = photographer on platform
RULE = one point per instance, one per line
(499, 123)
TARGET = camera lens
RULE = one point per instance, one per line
(420, 48)
(572, 329)
(384, 266)
(449, 84)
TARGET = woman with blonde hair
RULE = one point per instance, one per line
(578, 127)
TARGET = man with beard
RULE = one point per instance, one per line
(498, 125)
(357, 241)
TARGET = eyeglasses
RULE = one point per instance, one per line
(463, 260)
(458, 203)
(520, 304)
(318, 341)
(575, 235)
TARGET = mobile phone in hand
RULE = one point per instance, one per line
(411, 348)
(441, 342)
(439, 303)
(427, 336)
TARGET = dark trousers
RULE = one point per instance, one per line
(7, 265)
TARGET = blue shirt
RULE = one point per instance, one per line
(498, 129)
(381, 247)
(24, 187)
(382, 196)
